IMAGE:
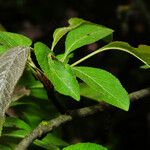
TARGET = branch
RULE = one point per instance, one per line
(47, 126)
(43, 127)
(139, 94)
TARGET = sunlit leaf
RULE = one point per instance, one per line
(85, 34)
(12, 64)
(61, 76)
(105, 84)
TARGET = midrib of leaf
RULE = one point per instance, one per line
(63, 81)
(99, 85)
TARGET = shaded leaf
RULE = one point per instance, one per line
(88, 92)
(60, 32)
(86, 34)
(3, 147)
(16, 133)
(109, 88)
(50, 142)
(85, 146)
(44, 145)
(16, 122)
(52, 139)
(12, 64)
(35, 87)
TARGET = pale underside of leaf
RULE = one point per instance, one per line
(12, 64)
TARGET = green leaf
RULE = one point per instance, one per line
(104, 83)
(63, 79)
(50, 141)
(47, 146)
(88, 92)
(85, 146)
(3, 147)
(41, 52)
(60, 57)
(61, 76)
(12, 64)
(16, 133)
(16, 122)
(10, 40)
(60, 32)
(39, 93)
(85, 34)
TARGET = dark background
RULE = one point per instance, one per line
(130, 19)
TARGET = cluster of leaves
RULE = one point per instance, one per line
(97, 84)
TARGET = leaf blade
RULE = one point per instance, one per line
(10, 40)
(63, 79)
(142, 52)
(61, 76)
(85, 34)
(109, 87)
(60, 32)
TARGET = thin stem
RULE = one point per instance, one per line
(86, 57)
(104, 49)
